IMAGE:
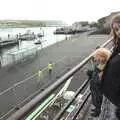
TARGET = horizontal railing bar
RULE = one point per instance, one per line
(106, 43)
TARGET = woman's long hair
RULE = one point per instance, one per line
(116, 40)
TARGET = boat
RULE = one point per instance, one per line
(29, 35)
(41, 33)
(37, 41)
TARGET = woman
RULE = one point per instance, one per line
(111, 75)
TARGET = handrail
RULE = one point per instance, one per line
(42, 96)
(41, 107)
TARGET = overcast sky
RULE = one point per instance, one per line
(66, 10)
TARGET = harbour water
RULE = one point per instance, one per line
(48, 39)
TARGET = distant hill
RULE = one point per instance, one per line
(31, 23)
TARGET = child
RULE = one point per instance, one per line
(100, 58)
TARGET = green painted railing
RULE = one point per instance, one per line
(40, 108)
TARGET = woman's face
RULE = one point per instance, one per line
(116, 28)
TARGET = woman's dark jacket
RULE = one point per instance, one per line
(111, 78)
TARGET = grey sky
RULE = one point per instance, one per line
(66, 10)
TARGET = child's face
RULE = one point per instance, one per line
(100, 60)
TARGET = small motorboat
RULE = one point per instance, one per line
(40, 35)
(29, 35)
(38, 41)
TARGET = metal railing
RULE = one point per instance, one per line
(43, 95)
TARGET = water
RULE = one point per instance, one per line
(49, 38)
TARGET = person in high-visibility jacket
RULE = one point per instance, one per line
(50, 68)
(40, 75)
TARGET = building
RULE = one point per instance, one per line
(105, 21)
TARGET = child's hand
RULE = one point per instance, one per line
(89, 73)
(100, 75)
